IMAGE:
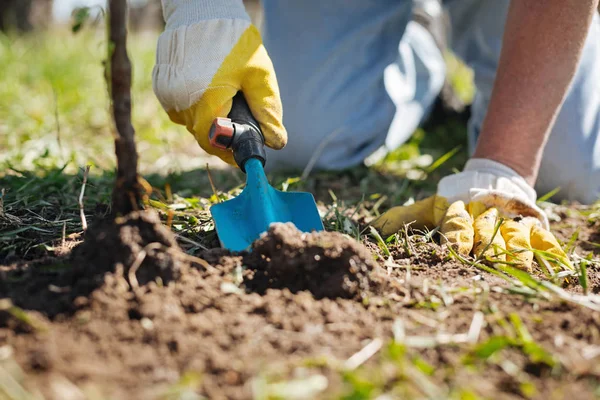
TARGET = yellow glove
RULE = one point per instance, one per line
(468, 208)
(208, 52)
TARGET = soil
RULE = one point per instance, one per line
(131, 315)
(327, 264)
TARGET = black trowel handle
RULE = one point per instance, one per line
(239, 132)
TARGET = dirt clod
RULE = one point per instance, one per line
(328, 264)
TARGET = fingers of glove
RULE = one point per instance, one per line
(476, 208)
(510, 206)
(487, 241)
(516, 235)
(543, 240)
(247, 68)
(215, 102)
(420, 214)
(440, 207)
(457, 228)
(262, 93)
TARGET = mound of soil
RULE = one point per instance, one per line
(137, 241)
(138, 247)
(328, 264)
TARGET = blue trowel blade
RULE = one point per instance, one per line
(242, 220)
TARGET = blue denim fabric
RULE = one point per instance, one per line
(356, 78)
(571, 159)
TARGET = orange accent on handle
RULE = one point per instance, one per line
(221, 133)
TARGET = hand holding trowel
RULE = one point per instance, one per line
(242, 220)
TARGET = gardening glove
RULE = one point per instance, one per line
(468, 208)
(208, 52)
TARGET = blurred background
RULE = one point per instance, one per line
(54, 109)
(25, 15)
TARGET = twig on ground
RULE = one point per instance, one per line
(81, 194)
(364, 354)
(175, 252)
(57, 120)
(190, 241)
(398, 330)
(2, 215)
(11, 219)
(422, 319)
(472, 336)
(133, 282)
(63, 241)
(475, 328)
(423, 382)
(170, 215)
(408, 248)
(169, 193)
(10, 377)
(317, 154)
(195, 260)
(212, 184)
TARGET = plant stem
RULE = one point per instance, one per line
(127, 193)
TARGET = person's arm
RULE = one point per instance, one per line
(542, 45)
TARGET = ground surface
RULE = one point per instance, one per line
(341, 314)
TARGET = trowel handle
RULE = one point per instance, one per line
(239, 132)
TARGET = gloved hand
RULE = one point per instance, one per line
(468, 207)
(208, 52)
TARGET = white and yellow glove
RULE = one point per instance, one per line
(468, 207)
(208, 52)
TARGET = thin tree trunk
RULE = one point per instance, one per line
(15, 14)
(127, 193)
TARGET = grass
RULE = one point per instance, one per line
(56, 107)
(56, 122)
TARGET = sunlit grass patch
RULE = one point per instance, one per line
(55, 105)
